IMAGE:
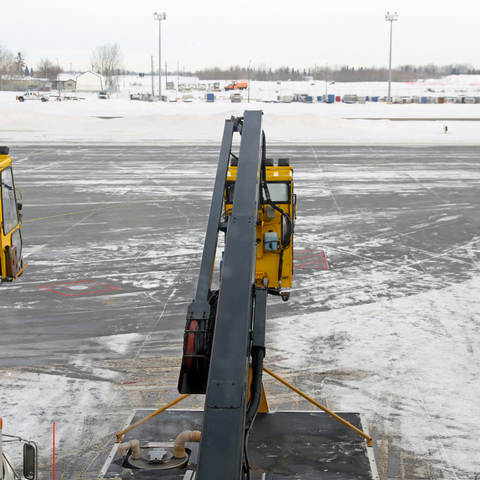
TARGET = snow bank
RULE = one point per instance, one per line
(121, 120)
(462, 80)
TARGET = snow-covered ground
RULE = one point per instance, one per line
(194, 120)
(421, 378)
(409, 363)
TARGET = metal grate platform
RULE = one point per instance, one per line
(291, 445)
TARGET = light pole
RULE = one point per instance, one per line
(326, 82)
(249, 81)
(159, 17)
(390, 18)
(58, 79)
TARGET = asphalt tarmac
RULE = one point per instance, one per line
(113, 238)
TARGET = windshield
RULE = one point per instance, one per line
(278, 192)
(9, 206)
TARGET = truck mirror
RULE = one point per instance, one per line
(29, 461)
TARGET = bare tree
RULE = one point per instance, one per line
(20, 64)
(47, 69)
(107, 59)
(7, 63)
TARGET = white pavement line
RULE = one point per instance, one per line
(143, 251)
(37, 249)
(429, 189)
(445, 253)
(138, 256)
(431, 422)
(147, 338)
(423, 404)
(372, 273)
(390, 236)
(417, 262)
(163, 167)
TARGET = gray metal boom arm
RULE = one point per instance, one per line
(223, 431)
(200, 308)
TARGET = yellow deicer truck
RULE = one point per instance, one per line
(11, 258)
(275, 223)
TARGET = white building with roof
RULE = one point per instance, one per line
(90, 82)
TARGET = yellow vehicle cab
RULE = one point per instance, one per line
(275, 223)
(11, 260)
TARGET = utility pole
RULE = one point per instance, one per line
(153, 87)
(249, 81)
(326, 82)
(58, 80)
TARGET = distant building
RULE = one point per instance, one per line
(68, 82)
(90, 82)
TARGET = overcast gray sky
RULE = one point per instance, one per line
(206, 33)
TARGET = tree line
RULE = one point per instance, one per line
(108, 60)
(339, 73)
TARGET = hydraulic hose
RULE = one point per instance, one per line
(258, 354)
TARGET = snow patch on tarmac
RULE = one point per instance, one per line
(415, 374)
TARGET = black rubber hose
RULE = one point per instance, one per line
(258, 354)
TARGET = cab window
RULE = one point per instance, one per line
(230, 191)
(9, 206)
(279, 192)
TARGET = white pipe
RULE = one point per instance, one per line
(123, 448)
(187, 436)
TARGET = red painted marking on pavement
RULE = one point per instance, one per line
(90, 285)
(318, 256)
(53, 451)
